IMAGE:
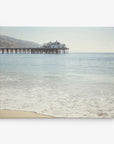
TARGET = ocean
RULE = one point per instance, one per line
(74, 85)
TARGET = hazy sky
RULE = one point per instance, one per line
(78, 39)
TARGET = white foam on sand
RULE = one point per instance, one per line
(89, 100)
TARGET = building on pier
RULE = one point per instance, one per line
(54, 45)
(48, 48)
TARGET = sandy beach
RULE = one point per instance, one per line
(21, 114)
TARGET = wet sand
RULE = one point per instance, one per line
(21, 114)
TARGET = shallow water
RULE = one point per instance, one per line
(65, 85)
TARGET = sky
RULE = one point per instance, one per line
(77, 39)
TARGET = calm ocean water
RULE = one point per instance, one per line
(66, 85)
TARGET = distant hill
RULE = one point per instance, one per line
(9, 42)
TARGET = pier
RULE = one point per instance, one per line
(47, 48)
(34, 50)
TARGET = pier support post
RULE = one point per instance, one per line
(15, 51)
(2, 51)
(7, 51)
(19, 51)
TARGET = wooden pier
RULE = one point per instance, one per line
(34, 50)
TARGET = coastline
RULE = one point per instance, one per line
(6, 113)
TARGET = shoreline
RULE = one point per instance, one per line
(7, 113)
